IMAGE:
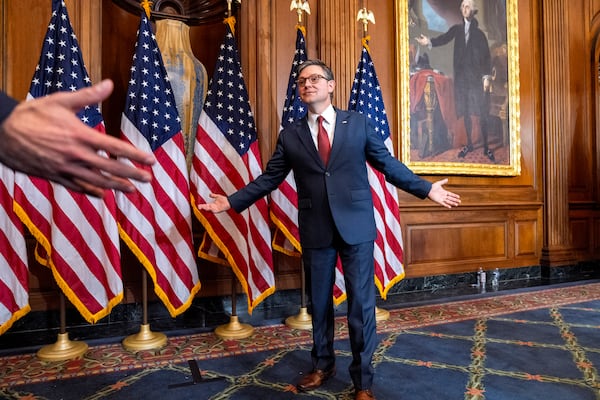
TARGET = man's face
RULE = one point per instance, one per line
(314, 89)
(467, 10)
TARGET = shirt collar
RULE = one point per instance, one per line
(328, 114)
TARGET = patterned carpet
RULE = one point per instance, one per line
(541, 344)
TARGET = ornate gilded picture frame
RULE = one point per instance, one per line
(458, 93)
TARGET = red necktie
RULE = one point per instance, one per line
(323, 141)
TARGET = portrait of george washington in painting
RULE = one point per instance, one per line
(458, 71)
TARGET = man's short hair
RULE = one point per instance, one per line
(470, 3)
(326, 70)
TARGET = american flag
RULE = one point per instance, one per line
(78, 233)
(226, 158)
(156, 219)
(14, 287)
(366, 98)
(284, 200)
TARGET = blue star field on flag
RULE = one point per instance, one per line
(227, 102)
(293, 107)
(365, 96)
(61, 67)
(150, 103)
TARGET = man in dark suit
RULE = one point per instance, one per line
(335, 215)
(472, 68)
(44, 137)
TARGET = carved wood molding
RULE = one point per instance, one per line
(339, 43)
(192, 12)
(557, 238)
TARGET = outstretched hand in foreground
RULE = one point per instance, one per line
(45, 138)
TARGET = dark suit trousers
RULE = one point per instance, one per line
(357, 262)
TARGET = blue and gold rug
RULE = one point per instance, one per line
(541, 344)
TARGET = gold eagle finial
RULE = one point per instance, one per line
(365, 16)
(300, 6)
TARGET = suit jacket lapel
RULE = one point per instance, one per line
(340, 133)
(307, 140)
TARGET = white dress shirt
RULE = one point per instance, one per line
(328, 123)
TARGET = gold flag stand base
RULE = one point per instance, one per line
(381, 314)
(63, 349)
(301, 321)
(145, 339)
(234, 329)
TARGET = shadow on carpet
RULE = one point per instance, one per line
(531, 345)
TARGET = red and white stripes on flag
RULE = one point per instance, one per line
(78, 233)
(388, 251)
(366, 98)
(14, 286)
(156, 219)
(226, 158)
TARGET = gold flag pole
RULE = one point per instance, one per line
(145, 339)
(234, 329)
(229, 8)
(63, 349)
(302, 320)
(366, 16)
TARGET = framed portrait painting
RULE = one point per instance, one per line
(458, 74)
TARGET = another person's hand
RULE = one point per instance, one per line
(423, 40)
(45, 138)
(220, 204)
(442, 196)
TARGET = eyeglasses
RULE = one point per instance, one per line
(313, 79)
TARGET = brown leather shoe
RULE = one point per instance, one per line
(315, 379)
(364, 395)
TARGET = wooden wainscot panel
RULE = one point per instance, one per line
(464, 239)
(288, 271)
(580, 234)
(43, 290)
(584, 231)
(526, 239)
(445, 248)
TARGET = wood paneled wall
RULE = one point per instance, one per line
(548, 215)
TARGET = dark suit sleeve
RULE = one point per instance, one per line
(276, 171)
(7, 104)
(447, 37)
(395, 172)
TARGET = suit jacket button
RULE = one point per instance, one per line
(327, 173)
